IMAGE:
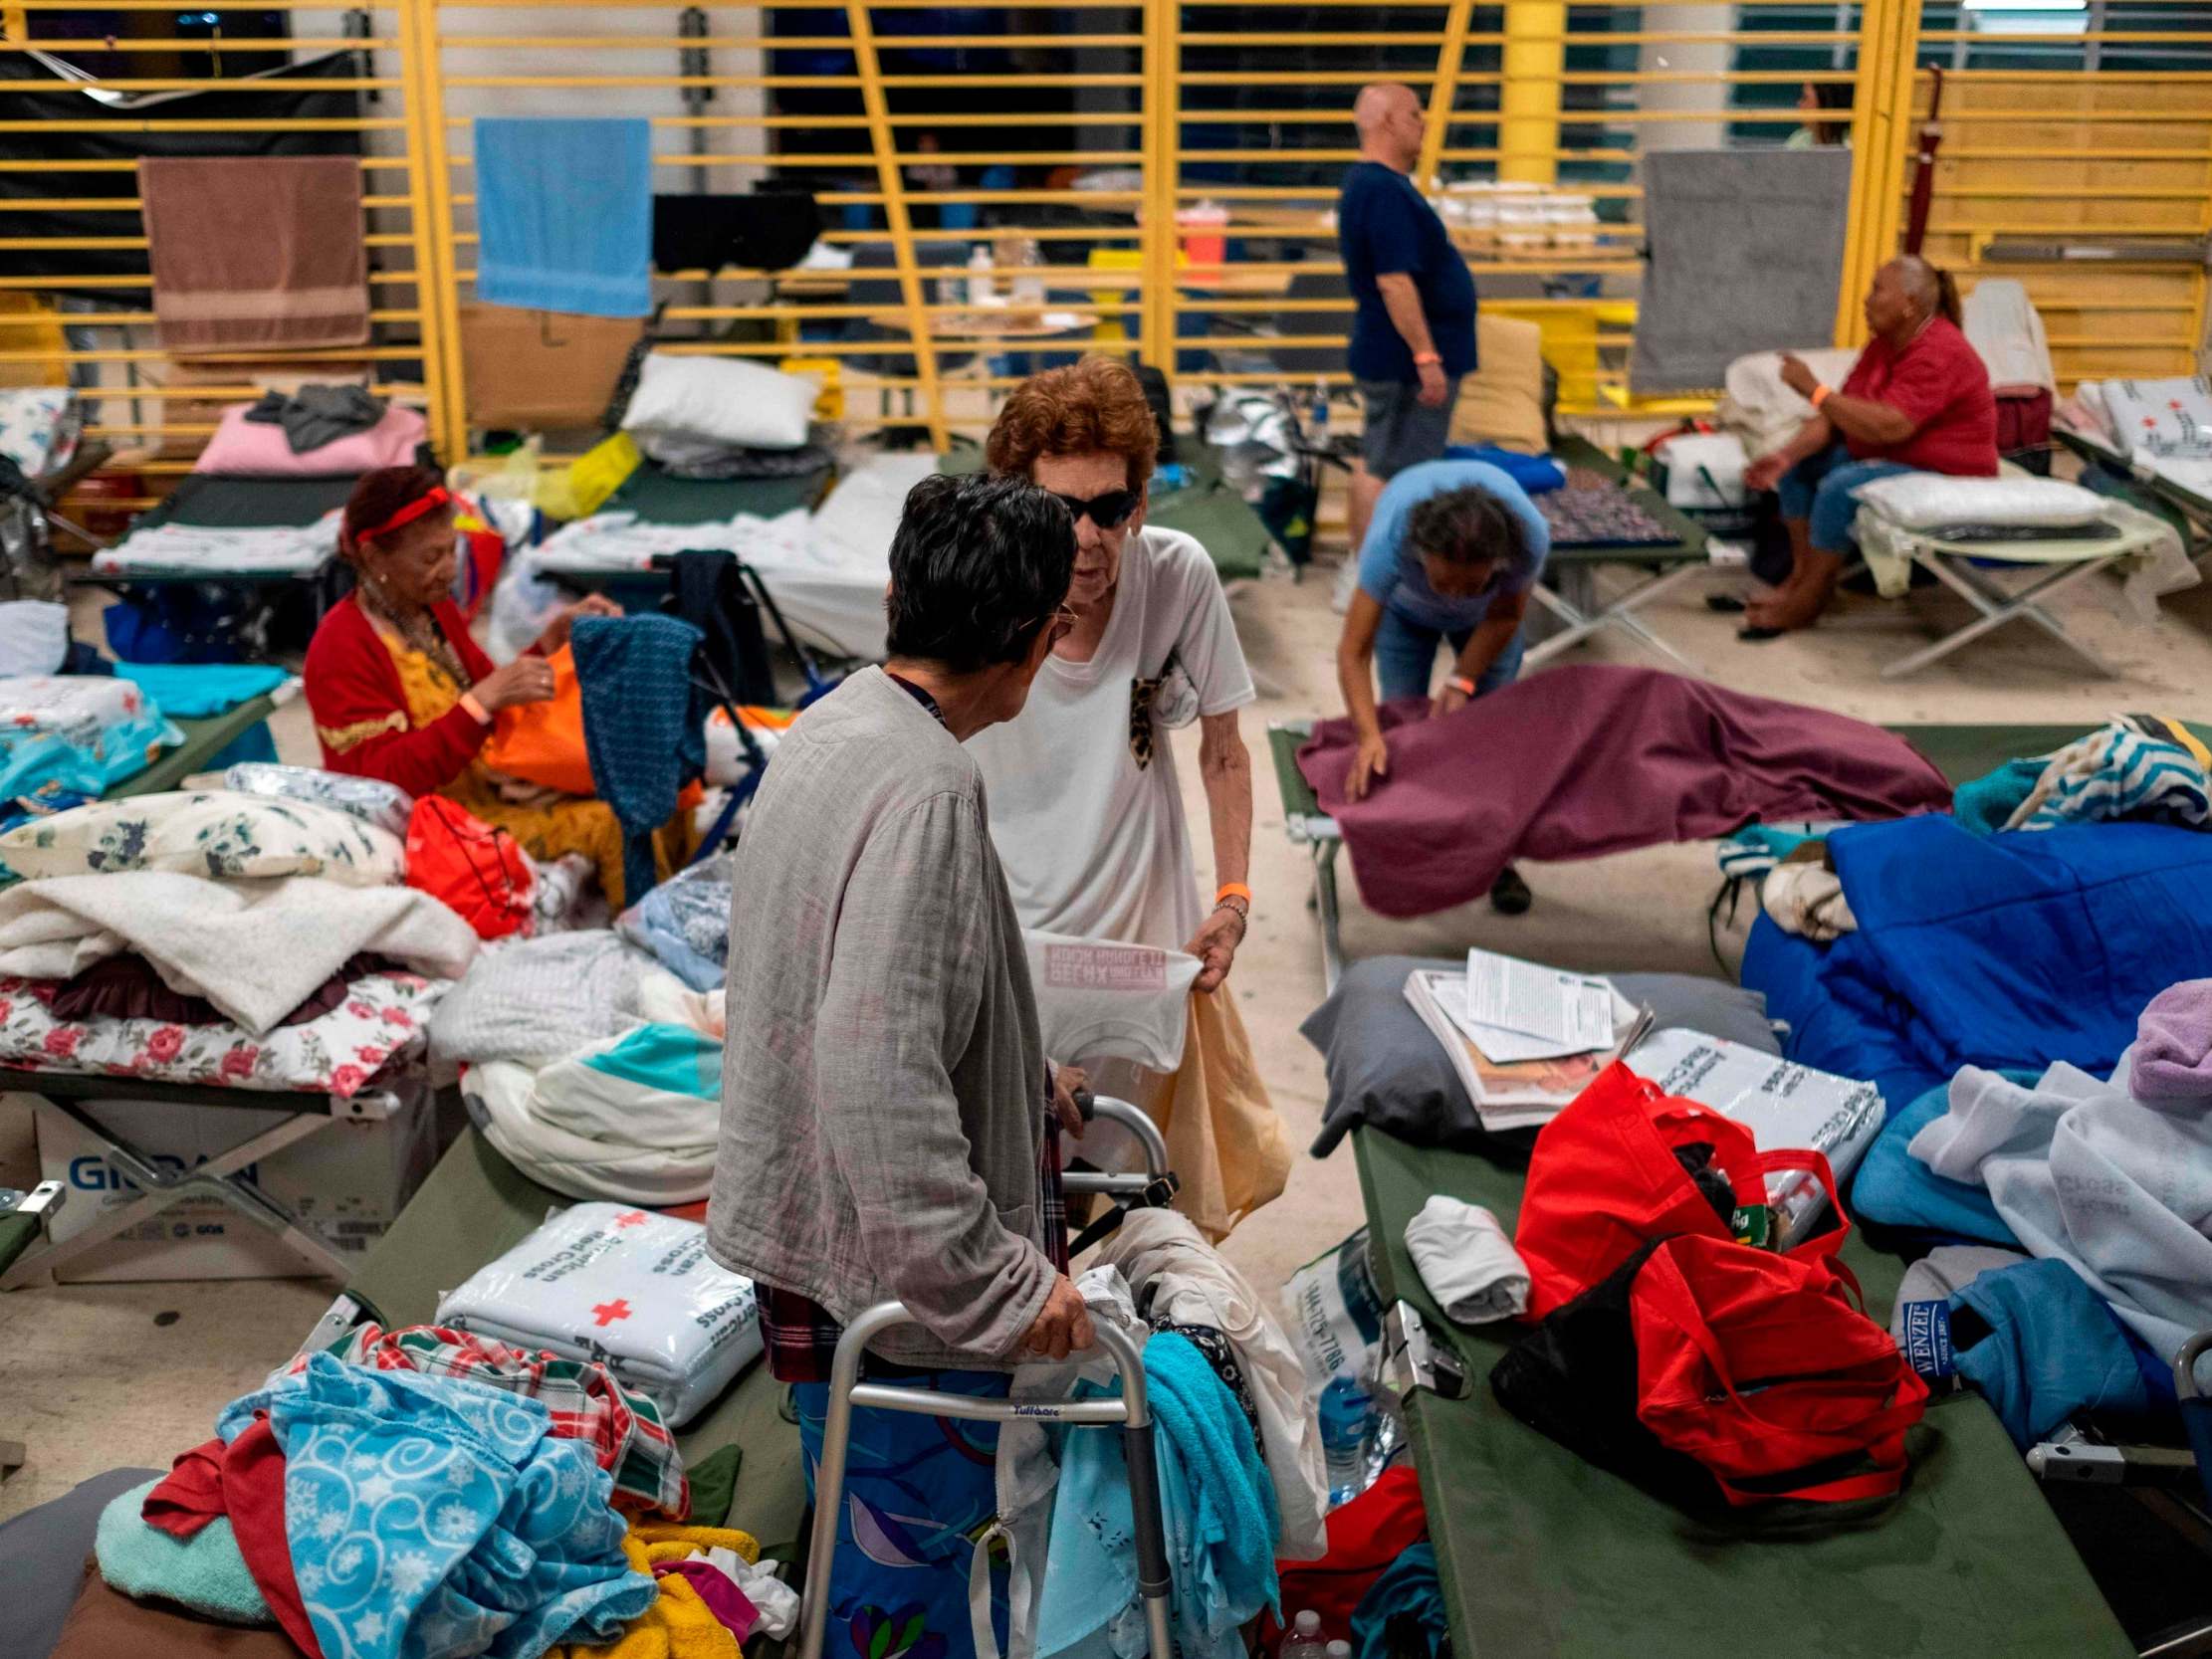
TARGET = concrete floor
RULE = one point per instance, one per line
(93, 1377)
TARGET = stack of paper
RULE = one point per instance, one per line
(1515, 1080)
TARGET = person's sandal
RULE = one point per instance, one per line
(1509, 895)
(1728, 604)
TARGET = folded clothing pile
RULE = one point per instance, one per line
(684, 923)
(218, 937)
(84, 732)
(633, 1116)
(627, 1288)
(533, 1001)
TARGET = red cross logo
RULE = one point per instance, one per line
(606, 1313)
(630, 1219)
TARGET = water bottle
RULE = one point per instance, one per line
(1347, 1420)
(1318, 414)
(1303, 1639)
(1340, 1650)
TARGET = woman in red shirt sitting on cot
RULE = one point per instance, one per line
(1917, 400)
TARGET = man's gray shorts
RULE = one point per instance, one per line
(1400, 432)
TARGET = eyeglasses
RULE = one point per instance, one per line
(1059, 624)
(1108, 512)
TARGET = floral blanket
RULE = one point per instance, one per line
(382, 1023)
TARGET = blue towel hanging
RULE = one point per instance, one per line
(565, 215)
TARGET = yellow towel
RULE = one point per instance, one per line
(678, 1625)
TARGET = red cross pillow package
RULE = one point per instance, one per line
(630, 1289)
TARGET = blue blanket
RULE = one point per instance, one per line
(194, 691)
(2009, 952)
(427, 1515)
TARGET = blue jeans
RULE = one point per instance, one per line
(1817, 490)
(1406, 658)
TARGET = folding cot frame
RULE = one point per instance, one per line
(1961, 566)
(163, 1185)
(1571, 591)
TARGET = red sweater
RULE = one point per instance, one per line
(360, 707)
(1938, 383)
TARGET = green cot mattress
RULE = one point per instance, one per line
(1544, 1555)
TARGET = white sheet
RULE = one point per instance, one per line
(282, 549)
(826, 572)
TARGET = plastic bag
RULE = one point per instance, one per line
(370, 799)
(627, 1288)
(684, 923)
(522, 602)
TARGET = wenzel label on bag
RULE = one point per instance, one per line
(1927, 1339)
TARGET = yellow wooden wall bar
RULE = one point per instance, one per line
(432, 178)
(1451, 54)
(1163, 134)
(895, 212)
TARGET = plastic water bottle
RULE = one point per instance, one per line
(1340, 1650)
(1303, 1639)
(1347, 1420)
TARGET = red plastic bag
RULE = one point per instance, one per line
(1365, 1537)
(1762, 1367)
(1604, 1180)
(480, 873)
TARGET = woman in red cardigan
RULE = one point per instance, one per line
(399, 692)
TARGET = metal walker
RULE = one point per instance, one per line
(1132, 1413)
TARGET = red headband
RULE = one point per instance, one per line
(420, 508)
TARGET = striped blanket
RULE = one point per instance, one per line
(2137, 766)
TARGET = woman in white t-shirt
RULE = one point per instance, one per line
(1085, 809)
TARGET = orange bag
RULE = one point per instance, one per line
(478, 873)
(543, 742)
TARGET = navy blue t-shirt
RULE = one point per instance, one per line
(1384, 228)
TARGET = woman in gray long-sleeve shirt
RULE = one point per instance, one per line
(887, 1126)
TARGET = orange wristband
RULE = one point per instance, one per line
(1461, 683)
(1234, 890)
(476, 709)
(1821, 394)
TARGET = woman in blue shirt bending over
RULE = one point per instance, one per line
(1452, 552)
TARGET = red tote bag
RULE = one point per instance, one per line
(1604, 1180)
(1761, 1367)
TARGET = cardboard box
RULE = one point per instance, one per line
(542, 371)
(347, 1182)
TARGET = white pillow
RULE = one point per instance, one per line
(720, 399)
(219, 834)
(1930, 501)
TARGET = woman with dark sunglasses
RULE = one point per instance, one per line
(1084, 804)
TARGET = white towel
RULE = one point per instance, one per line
(1467, 1261)
(256, 949)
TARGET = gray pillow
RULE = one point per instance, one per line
(1387, 1070)
(42, 1560)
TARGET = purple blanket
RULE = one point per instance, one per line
(1585, 761)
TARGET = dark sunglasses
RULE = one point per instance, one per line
(1108, 512)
